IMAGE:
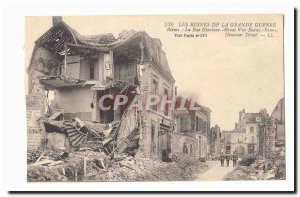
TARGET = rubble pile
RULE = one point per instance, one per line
(272, 168)
(88, 165)
(36, 155)
(92, 136)
(247, 160)
(33, 155)
(146, 169)
(47, 166)
(240, 173)
(61, 165)
(190, 165)
(46, 174)
(96, 152)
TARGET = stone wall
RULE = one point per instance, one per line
(35, 109)
(34, 132)
(270, 135)
(128, 124)
(149, 116)
(145, 135)
(43, 63)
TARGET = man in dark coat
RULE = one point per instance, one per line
(222, 159)
(234, 158)
(227, 158)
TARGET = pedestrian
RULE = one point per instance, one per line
(234, 158)
(227, 158)
(222, 159)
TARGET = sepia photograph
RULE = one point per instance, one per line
(154, 98)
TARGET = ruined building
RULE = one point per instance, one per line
(215, 140)
(253, 134)
(192, 131)
(279, 115)
(69, 73)
(244, 138)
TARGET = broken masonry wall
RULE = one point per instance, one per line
(217, 147)
(279, 112)
(128, 124)
(145, 135)
(35, 110)
(150, 116)
(148, 120)
(34, 129)
(150, 74)
(280, 135)
(43, 62)
(144, 144)
(267, 135)
(279, 115)
(270, 136)
(75, 102)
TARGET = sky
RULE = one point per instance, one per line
(226, 74)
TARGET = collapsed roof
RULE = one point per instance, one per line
(251, 117)
(61, 33)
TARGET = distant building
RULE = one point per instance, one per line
(244, 138)
(191, 131)
(215, 140)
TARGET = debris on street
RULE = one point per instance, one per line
(88, 165)
(272, 168)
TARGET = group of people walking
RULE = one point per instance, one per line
(228, 157)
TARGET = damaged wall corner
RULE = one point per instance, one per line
(36, 108)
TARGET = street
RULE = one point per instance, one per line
(215, 173)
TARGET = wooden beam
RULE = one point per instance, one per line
(40, 157)
(142, 46)
(84, 167)
(101, 49)
(111, 53)
(65, 61)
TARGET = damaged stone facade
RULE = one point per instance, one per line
(36, 108)
(279, 115)
(215, 145)
(192, 131)
(254, 134)
(74, 71)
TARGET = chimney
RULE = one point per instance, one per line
(241, 114)
(236, 125)
(56, 20)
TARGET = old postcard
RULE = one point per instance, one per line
(155, 98)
